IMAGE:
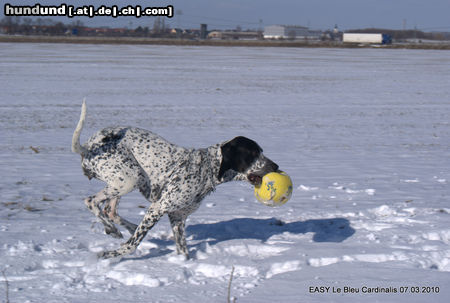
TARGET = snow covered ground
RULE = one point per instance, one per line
(364, 135)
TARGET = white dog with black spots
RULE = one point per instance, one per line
(172, 178)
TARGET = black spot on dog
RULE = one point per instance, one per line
(112, 138)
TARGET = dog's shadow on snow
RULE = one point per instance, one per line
(324, 230)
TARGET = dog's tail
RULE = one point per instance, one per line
(76, 146)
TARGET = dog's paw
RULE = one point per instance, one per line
(125, 249)
(108, 254)
(113, 232)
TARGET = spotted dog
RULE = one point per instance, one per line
(172, 178)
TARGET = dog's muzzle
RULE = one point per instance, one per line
(255, 178)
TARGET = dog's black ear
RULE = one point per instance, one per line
(226, 160)
(238, 154)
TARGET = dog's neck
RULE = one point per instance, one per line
(214, 153)
(213, 156)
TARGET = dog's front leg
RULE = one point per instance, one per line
(177, 221)
(152, 216)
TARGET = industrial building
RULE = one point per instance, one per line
(290, 32)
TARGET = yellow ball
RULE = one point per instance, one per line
(275, 189)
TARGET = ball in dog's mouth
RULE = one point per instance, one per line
(254, 179)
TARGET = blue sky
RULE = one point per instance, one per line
(428, 15)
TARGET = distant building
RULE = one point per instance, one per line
(234, 35)
(336, 30)
(332, 35)
(290, 32)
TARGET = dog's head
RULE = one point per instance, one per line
(243, 159)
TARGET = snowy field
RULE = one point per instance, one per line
(363, 133)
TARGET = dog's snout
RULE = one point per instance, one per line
(275, 167)
(272, 166)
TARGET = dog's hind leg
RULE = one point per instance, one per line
(110, 210)
(152, 216)
(94, 202)
(120, 179)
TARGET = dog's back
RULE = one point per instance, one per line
(131, 146)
